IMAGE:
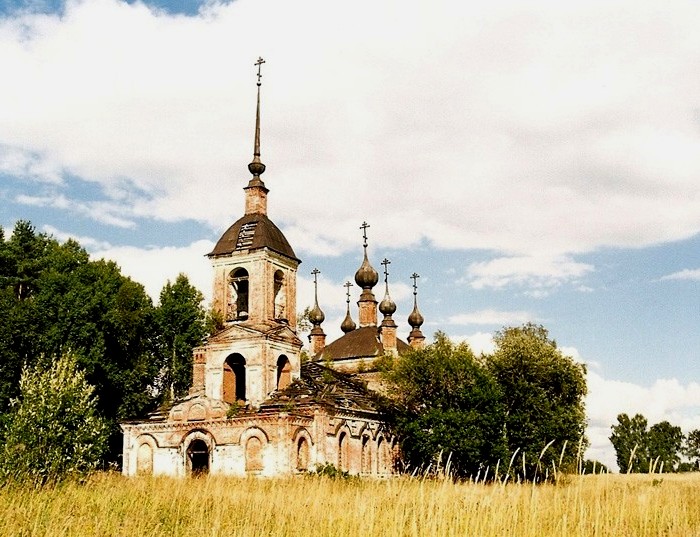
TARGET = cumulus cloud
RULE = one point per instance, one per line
(580, 130)
(491, 317)
(665, 399)
(153, 266)
(685, 274)
(539, 274)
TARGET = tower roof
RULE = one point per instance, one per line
(253, 232)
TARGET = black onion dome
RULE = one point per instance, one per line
(366, 277)
(415, 319)
(253, 232)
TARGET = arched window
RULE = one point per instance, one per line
(253, 455)
(366, 455)
(198, 457)
(279, 296)
(383, 457)
(234, 379)
(284, 372)
(343, 452)
(144, 460)
(302, 454)
(237, 308)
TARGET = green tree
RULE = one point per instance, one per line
(53, 430)
(629, 439)
(53, 300)
(182, 325)
(664, 443)
(543, 394)
(691, 448)
(446, 405)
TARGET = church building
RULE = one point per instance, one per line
(254, 407)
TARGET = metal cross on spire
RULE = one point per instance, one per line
(415, 277)
(259, 66)
(347, 286)
(364, 227)
(315, 272)
(386, 264)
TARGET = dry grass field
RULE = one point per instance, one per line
(110, 505)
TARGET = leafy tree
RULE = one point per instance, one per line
(543, 394)
(691, 448)
(53, 430)
(54, 300)
(445, 404)
(182, 325)
(664, 443)
(629, 438)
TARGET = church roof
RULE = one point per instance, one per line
(322, 385)
(253, 232)
(360, 343)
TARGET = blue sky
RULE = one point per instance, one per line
(531, 163)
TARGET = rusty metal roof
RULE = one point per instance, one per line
(360, 343)
(322, 385)
(252, 232)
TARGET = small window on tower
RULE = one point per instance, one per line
(280, 302)
(237, 309)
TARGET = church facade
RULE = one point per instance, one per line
(254, 408)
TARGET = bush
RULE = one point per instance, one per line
(53, 430)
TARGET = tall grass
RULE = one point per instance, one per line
(110, 505)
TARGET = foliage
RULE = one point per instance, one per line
(182, 325)
(629, 441)
(664, 443)
(638, 449)
(591, 466)
(543, 392)
(53, 430)
(54, 299)
(691, 448)
(329, 470)
(445, 404)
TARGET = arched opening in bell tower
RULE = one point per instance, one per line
(279, 296)
(238, 290)
(234, 379)
(284, 372)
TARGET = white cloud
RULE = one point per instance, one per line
(492, 317)
(685, 274)
(104, 212)
(480, 342)
(153, 266)
(665, 399)
(538, 273)
(546, 128)
(89, 243)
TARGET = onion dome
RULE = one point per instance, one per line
(366, 277)
(348, 325)
(415, 319)
(387, 307)
(316, 315)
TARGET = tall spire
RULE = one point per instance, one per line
(317, 337)
(257, 167)
(415, 319)
(348, 325)
(366, 277)
(256, 192)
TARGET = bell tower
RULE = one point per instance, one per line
(254, 291)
